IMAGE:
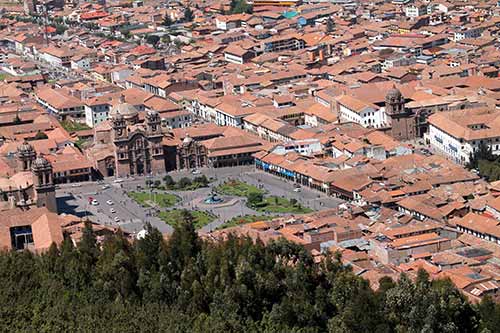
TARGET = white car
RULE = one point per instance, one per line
(105, 187)
(109, 202)
(196, 172)
(76, 185)
(119, 180)
(112, 210)
(297, 189)
(117, 219)
(95, 202)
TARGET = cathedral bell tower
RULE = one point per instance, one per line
(155, 137)
(394, 102)
(402, 121)
(25, 156)
(119, 126)
(153, 123)
(43, 183)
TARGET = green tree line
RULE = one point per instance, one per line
(485, 162)
(187, 284)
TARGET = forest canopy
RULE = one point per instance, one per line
(187, 284)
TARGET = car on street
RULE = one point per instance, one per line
(195, 172)
(116, 219)
(119, 180)
(297, 189)
(95, 202)
(109, 202)
(105, 187)
(112, 210)
(76, 185)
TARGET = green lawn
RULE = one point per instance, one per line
(72, 126)
(161, 199)
(174, 217)
(238, 220)
(275, 204)
(237, 188)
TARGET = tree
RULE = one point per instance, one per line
(153, 40)
(167, 21)
(188, 14)
(166, 39)
(482, 152)
(169, 181)
(240, 6)
(41, 136)
(60, 29)
(184, 182)
(16, 120)
(254, 198)
(293, 201)
(88, 244)
(201, 180)
(156, 183)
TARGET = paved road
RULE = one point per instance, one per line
(74, 199)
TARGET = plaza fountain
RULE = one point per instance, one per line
(213, 199)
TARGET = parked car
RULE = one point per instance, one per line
(95, 202)
(116, 219)
(109, 202)
(112, 210)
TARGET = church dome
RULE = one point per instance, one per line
(126, 110)
(41, 163)
(394, 94)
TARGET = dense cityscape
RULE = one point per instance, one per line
(250, 166)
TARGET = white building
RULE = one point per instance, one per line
(457, 134)
(96, 111)
(56, 56)
(351, 109)
(231, 114)
(177, 119)
(303, 147)
(415, 10)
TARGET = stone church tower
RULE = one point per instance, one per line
(401, 121)
(154, 137)
(25, 156)
(43, 183)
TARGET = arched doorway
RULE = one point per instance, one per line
(139, 166)
(109, 167)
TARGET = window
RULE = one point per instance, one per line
(21, 237)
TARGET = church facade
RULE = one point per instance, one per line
(125, 147)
